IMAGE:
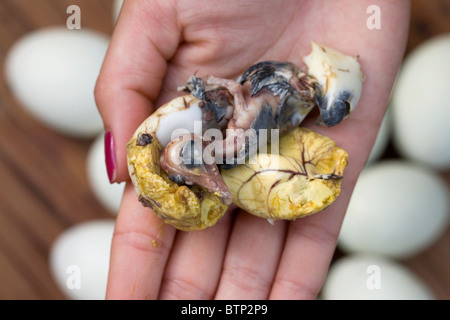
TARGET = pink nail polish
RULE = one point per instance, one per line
(110, 156)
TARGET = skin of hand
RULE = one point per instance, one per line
(155, 47)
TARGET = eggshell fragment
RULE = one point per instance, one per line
(79, 259)
(109, 195)
(370, 277)
(336, 74)
(53, 71)
(421, 108)
(397, 209)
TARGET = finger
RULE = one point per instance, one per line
(315, 237)
(196, 261)
(131, 75)
(139, 251)
(310, 244)
(251, 258)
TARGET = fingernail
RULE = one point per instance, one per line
(110, 156)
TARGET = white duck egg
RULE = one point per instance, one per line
(52, 72)
(397, 209)
(382, 139)
(108, 194)
(117, 6)
(421, 110)
(79, 259)
(370, 277)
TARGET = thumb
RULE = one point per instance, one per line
(131, 76)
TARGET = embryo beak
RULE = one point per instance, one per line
(339, 82)
(334, 113)
(190, 167)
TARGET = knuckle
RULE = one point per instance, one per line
(295, 288)
(100, 90)
(141, 241)
(184, 288)
(245, 278)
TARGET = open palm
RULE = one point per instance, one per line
(156, 46)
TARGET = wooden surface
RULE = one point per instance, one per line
(43, 183)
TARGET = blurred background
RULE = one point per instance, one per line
(55, 200)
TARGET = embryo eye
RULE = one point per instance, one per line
(191, 153)
(347, 108)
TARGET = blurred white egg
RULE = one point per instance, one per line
(117, 5)
(109, 195)
(368, 277)
(79, 259)
(421, 110)
(52, 72)
(397, 209)
(382, 140)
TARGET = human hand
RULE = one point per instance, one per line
(156, 46)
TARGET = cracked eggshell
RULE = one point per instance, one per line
(52, 72)
(186, 208)
(177, 117)
(109, 195)
(370, 277)
(336, 73)
(421, 109)
(79, 259)
(397, 209)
